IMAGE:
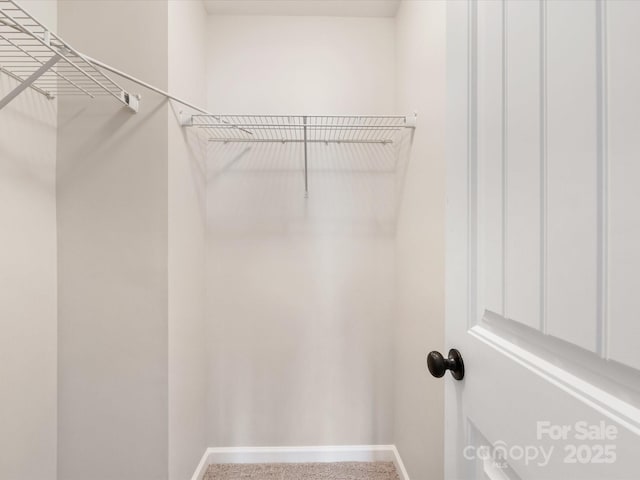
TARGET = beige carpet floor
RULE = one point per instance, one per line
(303, 471)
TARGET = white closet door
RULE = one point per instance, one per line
(543, 239)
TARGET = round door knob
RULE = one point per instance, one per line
(438, 365)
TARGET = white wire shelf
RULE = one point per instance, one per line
(302, 128)
(305, 129)
(40, 60)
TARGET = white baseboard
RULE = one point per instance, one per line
(342, 453)
(397, 461)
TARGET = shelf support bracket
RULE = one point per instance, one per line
(29, 81)
(306, 169)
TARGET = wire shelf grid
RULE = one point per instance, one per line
(33, 55)
(301, 128)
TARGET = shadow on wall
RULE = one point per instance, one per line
(26, 116)
(27, 284)
(301, 292)
(354, 189)
(100, 127)
(196, 146)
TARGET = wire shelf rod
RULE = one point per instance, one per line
(40, 62)
(62, 54)
(28, 81)
(26, 45)
(339, 127)
(267, 140)
(147, 85)
(303, 129)
(32, 86)
(310, 117)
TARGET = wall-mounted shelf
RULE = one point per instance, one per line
(40, 60)
(302, 128)
(377, 129)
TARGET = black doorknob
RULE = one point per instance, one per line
(438, 365)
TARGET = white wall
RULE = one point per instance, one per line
(307, 299)
(419, 319)
(131, 228)
(300, 292)
(312, 65)
(187, 341)
(28, 318)
(112, 253)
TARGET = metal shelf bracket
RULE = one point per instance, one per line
(29, 81)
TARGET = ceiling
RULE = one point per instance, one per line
(327, 8)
